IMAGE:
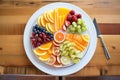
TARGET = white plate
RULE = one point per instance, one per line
(65, 70)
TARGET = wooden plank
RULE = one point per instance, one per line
(22, 9)
(88, 71)
(92, 78)
(27, 77)
(111, 70)
(21, 70)
(6, 11)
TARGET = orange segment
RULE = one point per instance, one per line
(45, 57)
(45, 46)
(39, 52)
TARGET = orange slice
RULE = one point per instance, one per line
(47, 27)
(38, 21)
(43, 21)
(51, 27)
(39, 52)
(45, 57)
(49, 17)
(45, 16)
(45, 46)
(59, 37)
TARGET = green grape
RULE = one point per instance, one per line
(68, 30)
(74, 24)
(79, 31)
(79, 21)
(84, 29)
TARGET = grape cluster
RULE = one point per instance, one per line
(40, 35)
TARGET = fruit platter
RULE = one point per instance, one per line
(59, 38)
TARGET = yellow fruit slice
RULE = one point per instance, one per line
(62, 19)
(47, 27)
(51, 15)
(39, 52)
(48, 15)
(51, 27)
(45, 16)
(56, 20)
(43, 21)
(38, 21)
(45, 57)
(45, 46)
(63, 11)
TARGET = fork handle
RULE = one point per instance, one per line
(107, 54)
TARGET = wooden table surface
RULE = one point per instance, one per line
(14, 15)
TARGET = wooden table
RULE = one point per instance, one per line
(14, 15)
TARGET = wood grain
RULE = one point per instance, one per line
(14, 15)
(21, 11)
(27, 77)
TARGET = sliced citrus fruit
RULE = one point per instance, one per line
(45, 57)
(45, 16)
(47, 27)
(38, 21)
(50, 50)
(59, 37)
(51, 60)
(39, 52)
(51, 27)
(43, 21)
(48, 15)
(52, 13)
(45, 46)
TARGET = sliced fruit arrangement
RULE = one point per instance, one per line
(53, 20)
(43, 51)
(40, 36)
(81, 41)
(77, 27)
(58, 39)
(69, 53)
